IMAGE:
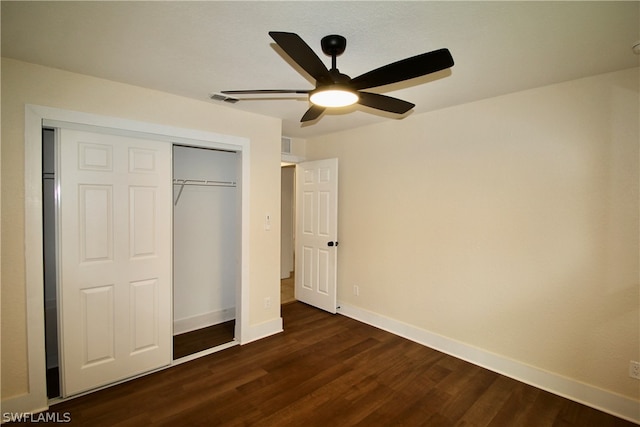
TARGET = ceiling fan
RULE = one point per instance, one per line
(334, 89)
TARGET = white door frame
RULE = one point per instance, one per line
(35, 117)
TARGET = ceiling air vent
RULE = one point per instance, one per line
(224, 98)
(286, 145)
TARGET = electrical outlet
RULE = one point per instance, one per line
(356, 290)
(634, 369)
(267, 302)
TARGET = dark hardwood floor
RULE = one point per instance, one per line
(203, 339)
(328, 370)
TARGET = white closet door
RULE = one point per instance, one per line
(115, 258)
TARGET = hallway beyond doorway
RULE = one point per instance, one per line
(287, 293)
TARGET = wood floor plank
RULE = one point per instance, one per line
(485, 408)
(328, 370)
(516, 410)
(468, 391)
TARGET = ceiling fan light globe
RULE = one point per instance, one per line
(333, 97)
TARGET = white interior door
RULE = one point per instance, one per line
(115, 257)
(317, 233)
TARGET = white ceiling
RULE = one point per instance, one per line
(195, 49)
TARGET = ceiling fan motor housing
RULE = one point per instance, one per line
(333, 45)
(337, 78)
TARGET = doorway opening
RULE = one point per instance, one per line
(205, 248)
(287, 240)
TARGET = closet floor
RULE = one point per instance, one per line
(53, 382)
(203, 339)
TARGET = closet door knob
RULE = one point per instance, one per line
(332, 243)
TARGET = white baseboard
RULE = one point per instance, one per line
(180, 326)
(27, 403)
(605, 401)
(262, 330)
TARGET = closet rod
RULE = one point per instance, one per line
(204, 182)
(200, 182)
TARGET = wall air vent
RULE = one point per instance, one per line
(223, 98)
(286, 145)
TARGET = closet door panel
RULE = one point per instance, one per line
(115, 257)
(97, 321)
(95, 225)
(144, 315)
(142, 221)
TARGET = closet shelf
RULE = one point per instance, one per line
(200, 182)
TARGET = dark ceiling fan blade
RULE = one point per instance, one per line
(312, 113)
(384, 103)
(405, 69)
(263, 91)
(302, 54)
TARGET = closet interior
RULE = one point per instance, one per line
(205, 248)
(49, 261)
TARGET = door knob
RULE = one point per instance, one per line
(332, 243)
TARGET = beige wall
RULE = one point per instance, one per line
(509, 224)
(30, 84)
